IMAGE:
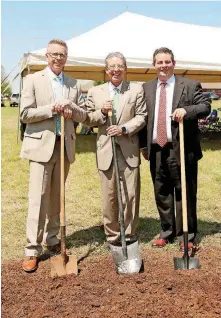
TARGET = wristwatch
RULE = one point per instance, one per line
(124, 130)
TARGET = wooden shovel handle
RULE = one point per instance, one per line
(183, 178)
(62, 215)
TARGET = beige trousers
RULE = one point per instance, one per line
(43, 220)
(130, 189)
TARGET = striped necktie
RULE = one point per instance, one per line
(161, 123)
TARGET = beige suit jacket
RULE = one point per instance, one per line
(132, 114)
(36, 100)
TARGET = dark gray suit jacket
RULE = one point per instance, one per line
(187, 95)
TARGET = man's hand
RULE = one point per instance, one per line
(114, 130)
(178, 114)
(61, 104)
(108, 105)
(67, 112)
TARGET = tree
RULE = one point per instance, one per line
(8, 91)
(96, 83)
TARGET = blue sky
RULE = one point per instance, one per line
(29, 25)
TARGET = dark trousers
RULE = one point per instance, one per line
(166, 179)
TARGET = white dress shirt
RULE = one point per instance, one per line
(112, 87)
(57, 83)
(170, 83)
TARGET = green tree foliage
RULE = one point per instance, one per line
(8, 91)
(96, 83)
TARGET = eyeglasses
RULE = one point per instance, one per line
(56, 55)
(114, 67)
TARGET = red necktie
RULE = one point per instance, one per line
(161, 124)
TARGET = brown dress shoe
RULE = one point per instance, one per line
(30, 263)
(159, 242)
(56, 249)
(190, 246)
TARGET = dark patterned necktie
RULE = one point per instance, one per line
(161, 123)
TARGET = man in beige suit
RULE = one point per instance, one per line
(47, 94)
(126, 100)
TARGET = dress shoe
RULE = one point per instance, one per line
(56, 249)
(159, 242)
(30, 263)
(190, 246)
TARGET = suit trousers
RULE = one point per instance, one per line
(43, 221)
(130, 189)
(166, 177)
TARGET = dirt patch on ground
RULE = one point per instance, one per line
(98, 292)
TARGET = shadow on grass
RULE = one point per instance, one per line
(86, 143)
(213, 145)
(148, 229)
(207, 228)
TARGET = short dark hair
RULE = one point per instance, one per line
(163, 50)
(60, 42)
(116, 54)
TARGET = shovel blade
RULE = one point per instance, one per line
(132, 264)
(190, 263)
(60, 268)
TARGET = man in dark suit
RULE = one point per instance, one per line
(171, 99)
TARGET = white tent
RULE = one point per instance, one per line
(196, 48)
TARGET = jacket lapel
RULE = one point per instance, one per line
(105, 92)
(152, 92)
(46, 84)
(66, 87)
(178, 89)
(122, 99)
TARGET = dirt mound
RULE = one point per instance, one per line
(98, 292)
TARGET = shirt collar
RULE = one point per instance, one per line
(170, 81)
(112, 87)
(53, 75)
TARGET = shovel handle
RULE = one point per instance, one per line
(62, 193)
(119, 194)
(183, 177)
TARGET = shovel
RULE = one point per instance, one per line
(126, 258)
(63, 264)
(186, 262)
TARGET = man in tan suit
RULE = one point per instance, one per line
(47, 94)
(126, 100)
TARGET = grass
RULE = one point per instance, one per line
(83, 198)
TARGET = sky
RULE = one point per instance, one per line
(30, 25)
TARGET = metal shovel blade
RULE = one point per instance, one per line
(61, 268)
(132, 264)
(186, 263)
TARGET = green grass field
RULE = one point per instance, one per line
(83, 199)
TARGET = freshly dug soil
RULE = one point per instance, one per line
(99, 292)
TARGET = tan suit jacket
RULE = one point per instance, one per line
(132, 114)
(36, 100)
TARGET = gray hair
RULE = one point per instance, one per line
(60, 42)
(116, 54)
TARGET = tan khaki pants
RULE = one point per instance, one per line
(130, 189)
(44, 202)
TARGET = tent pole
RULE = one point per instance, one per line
(19, 102)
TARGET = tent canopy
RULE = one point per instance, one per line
(196, 49)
